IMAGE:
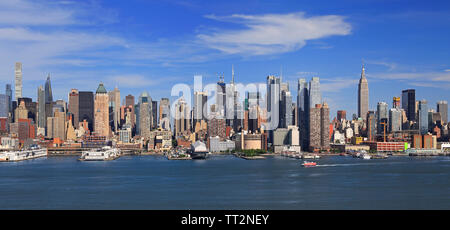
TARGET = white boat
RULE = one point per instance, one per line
(307, 156)
(31, 153)
(104, 154)
(316, 157)
(366, 156)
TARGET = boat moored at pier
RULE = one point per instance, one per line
(103, 154)
(34, 151)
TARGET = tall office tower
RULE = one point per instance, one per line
(86, 108)
(101, 111)
(303, 112)
(221, 97)
(217, 127)
(41, 108)
(200, 107)
(382, 117)
(56, 127)
(341, 115)
(273, 101)
(396, 102)
(442, 108)
(74, 105)
(4, 106)
(129, 102)
(182, 117)
(371, 125)
(325, 126)
(395, 120)
(234, 110)
(48, 98)
(254, 110)
(154, 114)
(114, 103)
(144, 97)
(21, 111)
(8, 92)
(409, 103)
(363, 95)
(145, 117)
(286, 109)
(315, 96)
(319, 132)
(18, 81)
(48, 90)
(164, 113)
(423, 117)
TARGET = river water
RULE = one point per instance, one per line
(226, 182)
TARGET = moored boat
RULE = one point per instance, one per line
(104, 154)
(32, 152)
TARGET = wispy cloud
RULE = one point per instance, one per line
(337, 84)
(422, 79)
(272, 33)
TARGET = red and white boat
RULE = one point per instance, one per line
(309, 164)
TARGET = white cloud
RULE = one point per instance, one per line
(272, 33)
(336, 84)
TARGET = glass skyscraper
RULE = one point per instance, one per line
(423, 117)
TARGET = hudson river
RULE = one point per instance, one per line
(226, 182)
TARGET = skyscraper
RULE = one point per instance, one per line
(303, 112)
(319, 132)
(154, 114)
(146, 115)
(200, 107)
(181, 119)
(423, 117)
(164, 114)
(315, 96)
(48, 98)
(74, 105)
(363, 95)
(86, 108)
(129, 102)
(48, 90)
(41, 108)
(341, 115)
(8, 92)
(273, 101)
(286, 109)
(409, 103)
(4, 105)
(371, 125)
(395, 120)
(442, 108)
(382, 117)
(221, 97)
(114, 103)
(18, 81)
(101, 111)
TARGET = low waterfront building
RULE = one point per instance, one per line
(387, 146)
(216, 145)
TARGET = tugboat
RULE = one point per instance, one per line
(309, 164)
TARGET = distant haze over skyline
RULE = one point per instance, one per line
(142, 46)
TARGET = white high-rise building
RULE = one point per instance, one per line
(18, 81)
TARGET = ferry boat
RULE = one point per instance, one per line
(34, 151)
(104, 154)
(366, 156)
(309, 164)
(307, 156)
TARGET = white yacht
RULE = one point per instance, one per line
(104, 154)
(33, 152)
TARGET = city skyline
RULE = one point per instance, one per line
(334, 55)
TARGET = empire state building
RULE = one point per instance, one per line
(363, 95)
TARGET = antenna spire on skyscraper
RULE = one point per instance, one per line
(232, 73)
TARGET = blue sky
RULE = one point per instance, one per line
(151, 45)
